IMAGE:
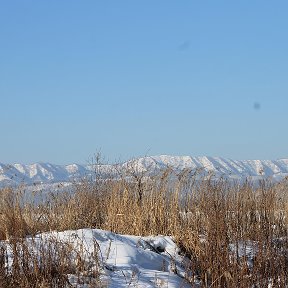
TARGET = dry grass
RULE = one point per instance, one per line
(203, 215)
(46, 268)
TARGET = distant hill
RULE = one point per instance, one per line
(45, 173)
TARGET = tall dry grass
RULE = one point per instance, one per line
(213, 221)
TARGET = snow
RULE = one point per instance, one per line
(141, 261)
(72, 168)
(125, 260)
(247, 250)
(235, 169)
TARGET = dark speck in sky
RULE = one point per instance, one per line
(257, 106)
(184, 46)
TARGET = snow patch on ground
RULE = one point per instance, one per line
(125, 260)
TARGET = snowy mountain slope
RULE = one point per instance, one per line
(234, 169)
(16, 174)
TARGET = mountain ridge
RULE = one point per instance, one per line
(15, 174)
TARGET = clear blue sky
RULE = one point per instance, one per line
(143, 77)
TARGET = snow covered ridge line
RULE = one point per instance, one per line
(14, 174)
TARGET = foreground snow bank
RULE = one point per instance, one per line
(120, 260)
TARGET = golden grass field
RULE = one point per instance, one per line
(204, 216)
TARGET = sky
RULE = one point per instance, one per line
(134, 78)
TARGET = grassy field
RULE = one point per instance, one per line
(214, 222)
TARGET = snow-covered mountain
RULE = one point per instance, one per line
(14, 174)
